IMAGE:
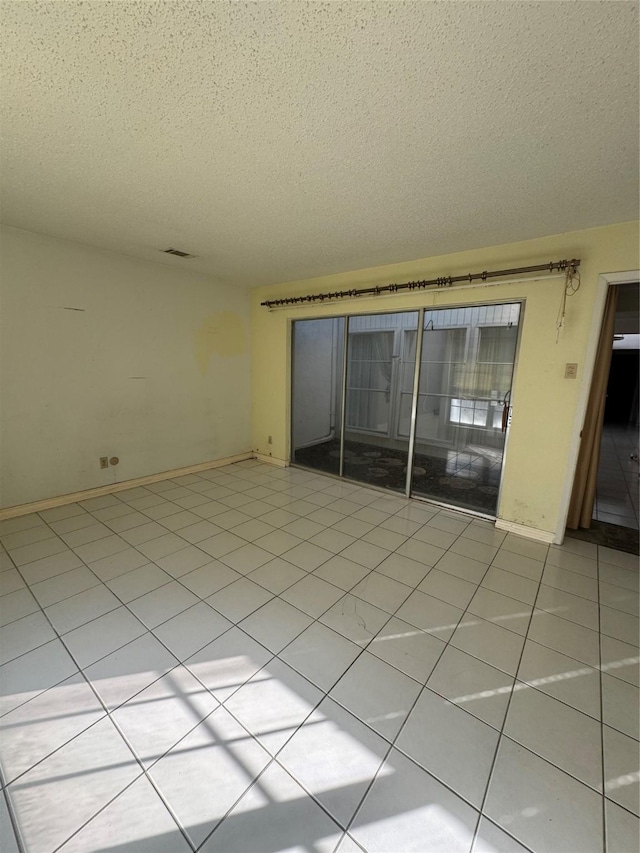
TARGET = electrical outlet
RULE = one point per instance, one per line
(570, 370)
(104, 461)
(269, 439)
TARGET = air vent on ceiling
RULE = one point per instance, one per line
(177, 253)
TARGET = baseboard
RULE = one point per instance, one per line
(522, 530)
(271, 460)
(50, 503)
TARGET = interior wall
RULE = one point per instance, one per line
(106, 355)
(547, 408)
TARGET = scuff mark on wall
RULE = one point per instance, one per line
(65, 308)
(222, 333)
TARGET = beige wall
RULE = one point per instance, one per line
(153, 369)
(547, 409)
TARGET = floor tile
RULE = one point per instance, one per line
(619, 598)
(407, 809)
(26, 677)
(275, 624)
(489, 642)
(307, 556)
(448, 588)
(22, 636)
(508, 583)
(562, 677)
(21, 522)
(162, 603)
(571, 607)
(621, 770)
(138, 582)
(572, 562)
(381, 591)
(247, 558)
(161, 546)
(81, 608)
(376, 693)
(34, 730)
(620, 705)
(163, 713)
(10, 581)
(223, 758)
(275, 814)
(544, 808)
(518, 564)
(421, 551)
(221, 544)
(403, 569)
(63, 586)
(432, 536)
(570, 582)
(118, 564)
(553, 730)
(190, 526)
(277, 542)
(453, 745)
(15, 605)
(227, 663)
(490, 839)
(473, 685)
(93, 551)
(273, 703)
(277, 575)
(409, 649)
(449, 522)
(619, 625)
(430, 614)
(181, 562)
(335, 757)
(618, 577)
(620, 660)
(27, 537)
(133, 667)
(89, 771)
(622, 829)
(239, 599)
(37, 551)
(154, 830)
(321, 655)
(482, 552)
(103, 635)
(365, 554)
(501, 610)
(355, 619)
(48, 567)
(461, 567)
(8, 842)
(191, 630)
(312, 595)
(342, 573)
(566, 637)
(525, 547)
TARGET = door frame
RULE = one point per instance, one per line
(605, 280)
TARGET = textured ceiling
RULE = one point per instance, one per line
(283, 140)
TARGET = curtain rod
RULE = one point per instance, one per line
(441, 281)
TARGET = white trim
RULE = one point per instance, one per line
(271, 460)
(604, 281)
(522, 530)
(50, 503)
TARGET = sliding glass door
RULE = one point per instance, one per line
(451, 410)
(374, 451)
(466, 369)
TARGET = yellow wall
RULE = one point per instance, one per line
(546, 406)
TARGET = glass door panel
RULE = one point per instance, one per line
(316, 393)
(376, 437)
(466, 369)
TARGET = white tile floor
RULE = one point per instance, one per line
(260, 659)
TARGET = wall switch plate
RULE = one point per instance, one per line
(104, 461)
(570, 370)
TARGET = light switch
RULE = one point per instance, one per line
(570, 370)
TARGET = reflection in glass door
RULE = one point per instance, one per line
(466, 368)
(374, 449)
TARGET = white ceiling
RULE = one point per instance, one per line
(283, 140)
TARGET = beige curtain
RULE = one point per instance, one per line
(584, 485)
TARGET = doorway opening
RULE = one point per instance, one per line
(617, 484)
(604, 502)
(416, 402)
